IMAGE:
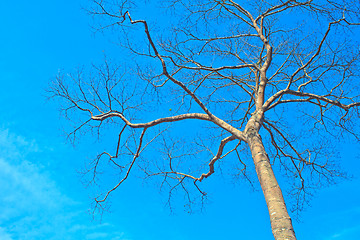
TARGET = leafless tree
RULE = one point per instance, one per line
(275, 80)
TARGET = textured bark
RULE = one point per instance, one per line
(280, 220)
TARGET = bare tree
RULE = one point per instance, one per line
(274, 80)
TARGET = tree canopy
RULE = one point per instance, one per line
(271, 84)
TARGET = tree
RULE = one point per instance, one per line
(276, 78)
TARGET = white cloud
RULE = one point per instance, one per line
(4, 235)
(350, 233)
(25, 186)
(15, 146)
(32, 206)
(348, 224)
(24, 182)
(97, 235)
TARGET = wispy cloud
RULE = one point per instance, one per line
(31, 203)
(347, 234)
(349, 224)
(4, 235)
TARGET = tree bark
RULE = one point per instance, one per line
(281, 225)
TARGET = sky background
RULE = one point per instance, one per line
(41, 192)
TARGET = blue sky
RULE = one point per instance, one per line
(41, 192)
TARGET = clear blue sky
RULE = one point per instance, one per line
(41, 194)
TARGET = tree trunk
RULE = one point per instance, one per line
(280, 220)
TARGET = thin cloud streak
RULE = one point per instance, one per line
(32, 205)
(351, 233)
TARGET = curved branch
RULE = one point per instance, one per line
(164, 67)
(216, 157)
(309, 96)
(128, 171)
(104, 116)
(315, 54)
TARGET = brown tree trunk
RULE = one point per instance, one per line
(280, 220)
